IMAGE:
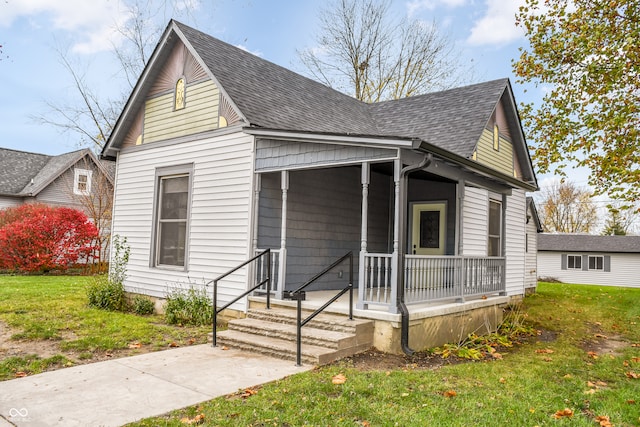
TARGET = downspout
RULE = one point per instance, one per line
(402, 248)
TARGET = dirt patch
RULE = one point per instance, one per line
(373, 359)
(47, 348)
(601, 344)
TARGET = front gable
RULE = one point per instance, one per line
(176, 96)
(501, 145)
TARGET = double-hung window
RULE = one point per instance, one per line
(596, 262)
(82, 182)
(171, 225)
(574, 262)
(495, 228)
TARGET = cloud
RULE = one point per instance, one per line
(498, 25)
(415, 6)
(246, 49)
(91, 23)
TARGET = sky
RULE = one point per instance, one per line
(32, 31)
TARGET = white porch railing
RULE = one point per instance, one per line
(260, 271)
(430, 278)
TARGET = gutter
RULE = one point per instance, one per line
(401, 306)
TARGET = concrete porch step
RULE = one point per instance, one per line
(311, 336)
(328, 322)
(273, 332)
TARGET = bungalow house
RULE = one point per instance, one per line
(222, 155)
(77, 180)
(586, 259)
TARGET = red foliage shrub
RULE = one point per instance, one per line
(35, 237)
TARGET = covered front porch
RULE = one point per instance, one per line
(402, 217)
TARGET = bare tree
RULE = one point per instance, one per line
(366, 52)
(567, 208)
(90, 115)
(95, 198)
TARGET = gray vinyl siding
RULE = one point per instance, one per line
(475, 220)
(623, 269)
(7, 202)
(220, 212)
(323, 220)
(277, 155)
(531, 269)
(515, 242)
(60, 191)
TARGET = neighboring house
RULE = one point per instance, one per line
(585, 259)
(221, 154)
(77, 180)
(533, 227)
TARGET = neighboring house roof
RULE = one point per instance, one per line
(531, 207)
(24, 174)
(588, 243)
(268, 96)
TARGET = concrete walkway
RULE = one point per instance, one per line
(121, 391)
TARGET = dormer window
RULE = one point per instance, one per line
(82, 182)
(180, 94)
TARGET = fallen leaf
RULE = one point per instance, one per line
(635, 359)
(21, 374)
(450, 393)
(601, 384)
(547, 359)
(248, 392)
(604, 421)
(483, 297)
(366, 424)
(173, 344)
(566, 412)
(339, 379)
(590, 384)
(601, 336)
(135, 345)
(532, 410)
(502, 380)
(632, 374)
(108, 354)
(198, 419)
(592, 354)
(224, 348)
(544, 351)
(568, 376)
(631, 402)
(192, 341)
(496, 355)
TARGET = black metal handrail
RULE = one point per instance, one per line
(215, 281)
(297, 295)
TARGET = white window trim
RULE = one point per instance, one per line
(76, 181)
(589, 262)
(577, 256)
(500, 229)
(164, 172)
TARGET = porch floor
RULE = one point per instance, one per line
(315, 300)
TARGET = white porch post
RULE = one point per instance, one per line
(397, 166)
(503, 242)
(282, 267)
(365, 179)
(256, 211)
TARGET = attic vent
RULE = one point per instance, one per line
(180, 94)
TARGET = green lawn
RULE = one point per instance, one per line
(54, 309)
(574, 368)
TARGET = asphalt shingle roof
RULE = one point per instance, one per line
(23, 173)
(273, 97)
(588, 243)
(17, 168)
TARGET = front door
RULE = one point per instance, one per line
(428, 228)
